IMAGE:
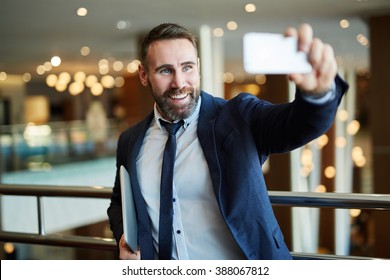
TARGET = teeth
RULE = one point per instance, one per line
(180, 96)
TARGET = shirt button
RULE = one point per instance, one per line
(178, 231)
(174, 200)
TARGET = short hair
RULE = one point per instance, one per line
(165, 31)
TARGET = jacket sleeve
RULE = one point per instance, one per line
(279, 128)
(114, 211)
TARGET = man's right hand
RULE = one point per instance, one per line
(125, 253)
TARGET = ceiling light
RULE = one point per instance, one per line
(232, 25)
(79, 76)
(322, 141)
(82, 12)
(250, 8)
(104, 69)
(218, 32)
(91, 80)
(123, 24)
(261, 79)
(3, 76)
(357, 151)
(362, 40)
(64, 77)
(103, 66)
(341, 142)
(51, 80)
(344, 23)
(342, 115)
(361, 162)
(107, 81)
(307, 157)
(320, 189)
(85, 51)
(132, 67)
(97, 89)
(228, 77)
(103, 62)
(358, 156)
(47, 66)
(55, 61)
(353, 127)
(26, 77)
(305, 171)
(355, 212)
(61, 86)
(119, 81)
(330, 172)
(117, 65)
(41, 70)
(76, 88)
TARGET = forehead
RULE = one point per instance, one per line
(171, 51)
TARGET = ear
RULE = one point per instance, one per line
(200, 74)
(143, 76)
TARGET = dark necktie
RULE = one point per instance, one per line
(166, 197)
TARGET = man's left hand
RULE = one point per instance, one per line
(320, 56)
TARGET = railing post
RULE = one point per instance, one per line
(41, 226)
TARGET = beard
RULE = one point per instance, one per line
(172, 111)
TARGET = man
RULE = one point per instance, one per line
(221, 208)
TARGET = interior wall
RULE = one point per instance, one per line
(379, 115)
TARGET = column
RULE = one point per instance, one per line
(379, 116)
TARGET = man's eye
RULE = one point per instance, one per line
(187, 68)
(165, 71)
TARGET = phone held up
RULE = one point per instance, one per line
(270, 53)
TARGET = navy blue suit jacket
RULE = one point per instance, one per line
(236, 137)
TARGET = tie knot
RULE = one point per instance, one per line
(172, 128)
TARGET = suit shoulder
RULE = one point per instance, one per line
(136, 128)
(246, 100)
(208, 98)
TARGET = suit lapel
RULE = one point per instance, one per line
(206, 136)
(134, 146)
(145, 239)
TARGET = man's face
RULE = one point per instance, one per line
(173, 76)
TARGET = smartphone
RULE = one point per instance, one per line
(270, 53)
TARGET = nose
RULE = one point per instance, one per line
(178, 81)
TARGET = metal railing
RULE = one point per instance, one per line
(332, 200)
(292, 199)
(40, 191)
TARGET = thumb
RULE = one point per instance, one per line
(305, 82)
(296, 78)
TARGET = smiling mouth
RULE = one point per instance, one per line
(178, 96)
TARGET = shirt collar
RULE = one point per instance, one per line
(187, 121)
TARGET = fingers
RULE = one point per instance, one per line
(304, 34)
(129, 255)
(320, 56)
(125, 253)
(305, 38)
(291, 32)
(315, 55)
(327, 69)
